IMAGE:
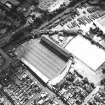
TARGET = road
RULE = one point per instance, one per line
(54, 19)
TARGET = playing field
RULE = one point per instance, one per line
(41, 60)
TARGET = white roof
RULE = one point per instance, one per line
(90, 54)
(57, 4)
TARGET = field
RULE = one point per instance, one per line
(43, 62)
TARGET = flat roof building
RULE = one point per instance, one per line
(86, 52)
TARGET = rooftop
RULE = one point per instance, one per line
(85, 51)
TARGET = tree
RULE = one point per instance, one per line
(100, 3)
(103, 82)
(103, 70)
